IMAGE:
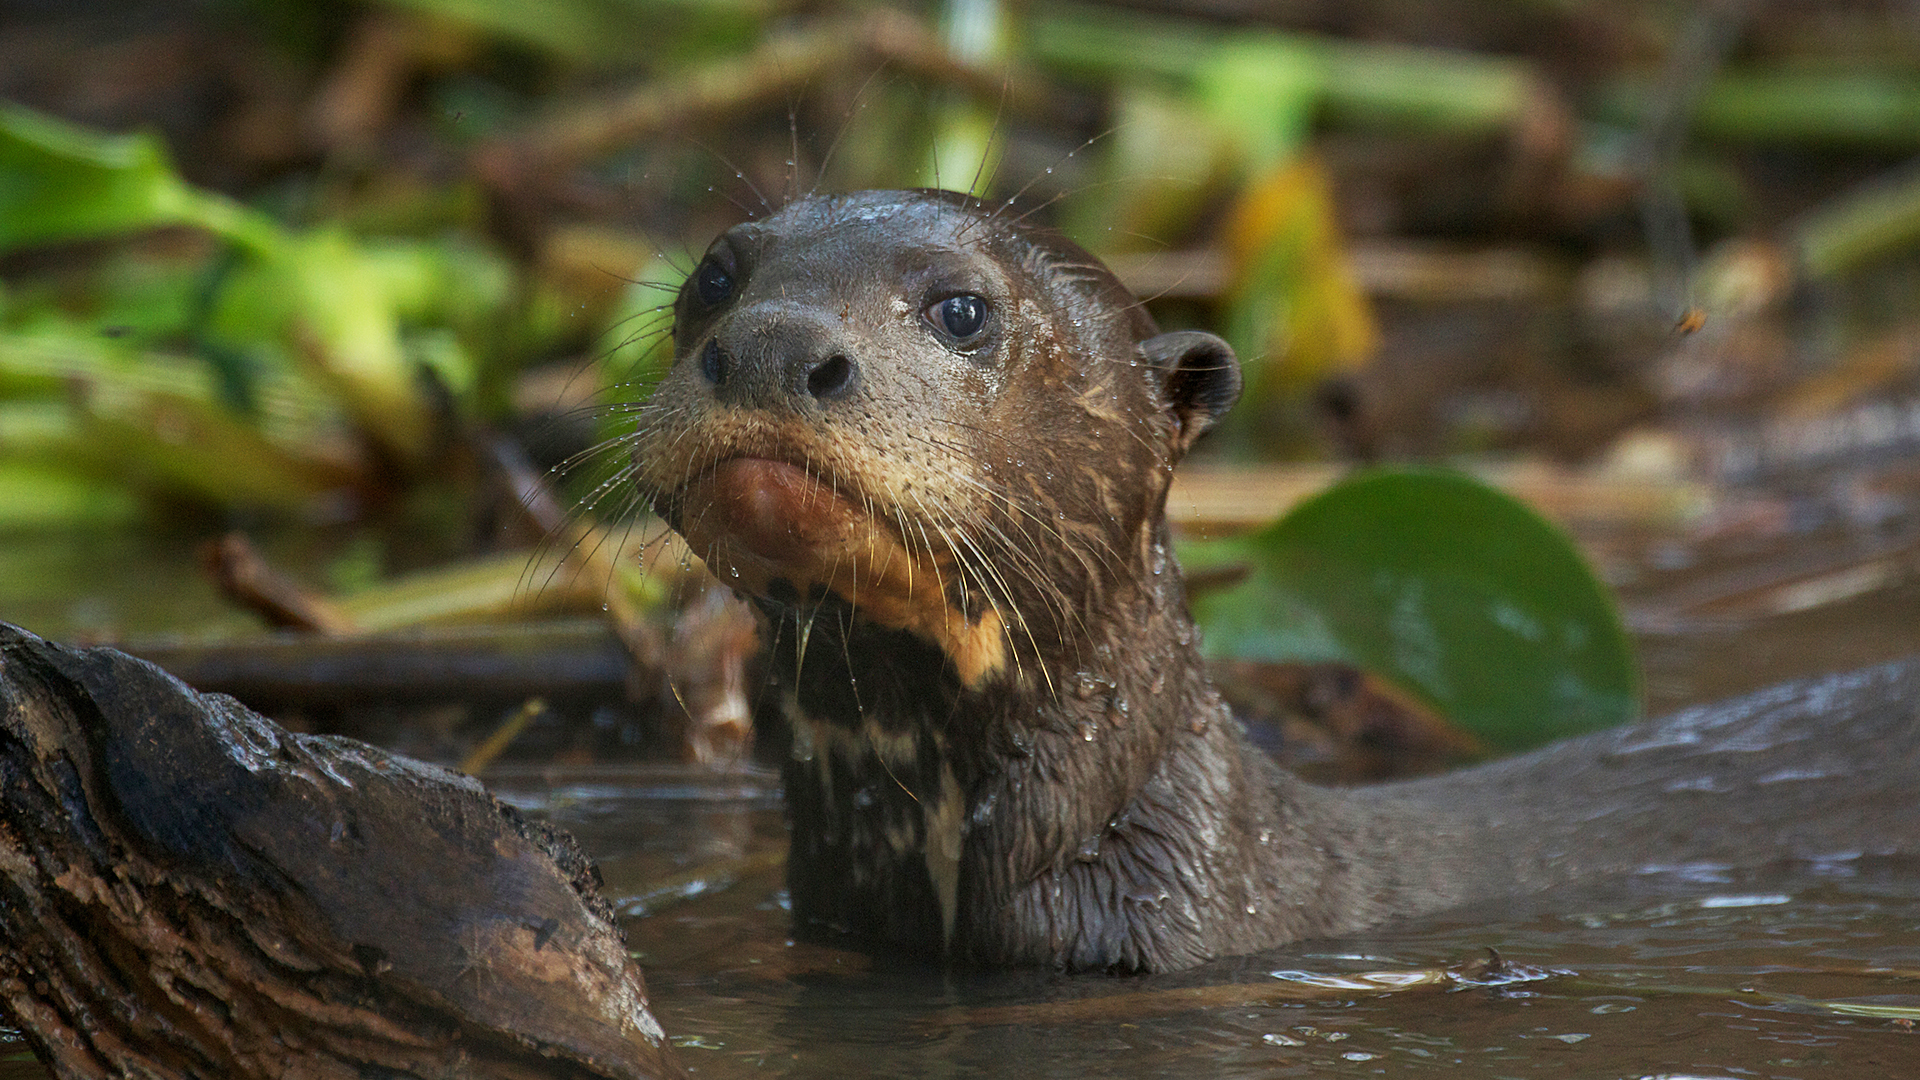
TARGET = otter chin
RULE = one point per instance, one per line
(769, 527)
(763, 518)
(932, 444)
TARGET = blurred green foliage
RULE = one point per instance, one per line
(332, 338)
(610, 32)
(251, 365)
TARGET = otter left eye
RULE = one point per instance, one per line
(960, 317)
(711, 282)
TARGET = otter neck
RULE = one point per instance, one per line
(922, 805)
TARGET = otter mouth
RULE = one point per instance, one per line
(767, 515)
(762, 520)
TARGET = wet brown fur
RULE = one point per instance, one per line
(1007, 749)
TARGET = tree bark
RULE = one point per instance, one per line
(188, 890)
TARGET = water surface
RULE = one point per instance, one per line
(1690, 972)
(1697, 972)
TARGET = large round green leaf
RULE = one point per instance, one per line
(1447, 587)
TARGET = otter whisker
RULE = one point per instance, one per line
(997, 492)
(738, 174)
(990, 578)
(653, 551)
(570, 523)
(933, 560)
(593, 453)
(1007, 204)
(1033, 571)
(580, 558)
(1024, 515)
(963, 566)
(859, 103)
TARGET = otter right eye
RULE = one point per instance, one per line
(711, 282)
(962, 316)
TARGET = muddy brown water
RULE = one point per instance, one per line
(1792, 971)
(1684, 971)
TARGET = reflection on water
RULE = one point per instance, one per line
(1793, 972)
(1809, 970)
(1682, 973)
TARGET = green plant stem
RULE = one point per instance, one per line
(1404, 86)
(1789, 107)
(1860, 226)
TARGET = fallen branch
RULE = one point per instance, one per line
(512, 661)
(774, 72)
(189, 891)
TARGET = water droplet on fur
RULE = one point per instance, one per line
(735, 570)
(1088, 731)
(1085, 685)
(1089, 850)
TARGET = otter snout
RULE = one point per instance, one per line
(779, 355)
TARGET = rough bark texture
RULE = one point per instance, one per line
(188, 890)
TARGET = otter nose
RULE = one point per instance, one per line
(785, 356)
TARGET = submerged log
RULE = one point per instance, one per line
(188, 890)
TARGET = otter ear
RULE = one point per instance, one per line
(1199, 376)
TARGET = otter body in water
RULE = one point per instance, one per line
(934, 447)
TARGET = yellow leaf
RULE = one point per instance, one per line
(1294, 312)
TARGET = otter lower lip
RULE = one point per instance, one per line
(776, 510)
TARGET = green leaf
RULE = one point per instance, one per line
(332, 299)
(1264, 88)
(152, 422)
(60, 182)
(1163, 166)
(605, 30)
(1443, 585)
(33, 497)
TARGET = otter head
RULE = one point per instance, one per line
(957, 425)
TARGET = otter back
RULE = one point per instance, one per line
(932, 444)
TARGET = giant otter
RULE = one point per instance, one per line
(933, 445)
